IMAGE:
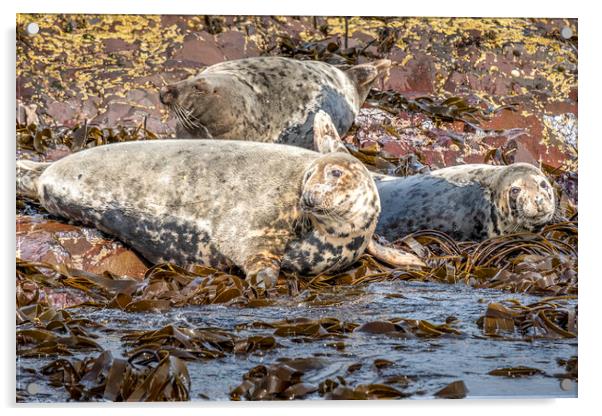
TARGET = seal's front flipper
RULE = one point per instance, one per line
(262, 271)
(264, 279)
(365, 74)
(392, 256)
(28, 173)
(326, 137)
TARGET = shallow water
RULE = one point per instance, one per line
(430, 363)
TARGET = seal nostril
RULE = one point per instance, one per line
(308, 200)
(167, 94)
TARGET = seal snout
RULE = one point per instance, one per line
(540, 203)
(310, 200)
(168, 94)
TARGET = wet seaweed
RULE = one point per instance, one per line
(41, 138)
(107, 378)
(547, 318)
(439, 110)
(542, 264)
(284, 381)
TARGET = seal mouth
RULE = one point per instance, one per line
(313, 210)
(325, 213)
(541, 217)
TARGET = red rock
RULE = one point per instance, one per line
(561, 107)
(113, 115)
(397, 80)
(201, 49)
(234, 46)
(89, 107)
(507, 119)
(396, 147)
(434, 158)
(180, 21)
(116, 45)
(56, 153)
(417, 76)
(474, 158)
(360, 38)
(24, 92)
(63, 113)
(78, 247)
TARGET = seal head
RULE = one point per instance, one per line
(210, 100)
(339, 210)
(524, 198)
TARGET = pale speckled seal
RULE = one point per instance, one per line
(258, 206)
(468, 202)
(269, 99)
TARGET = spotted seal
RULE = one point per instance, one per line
(259, 206)
(468, 202)
(269, 99)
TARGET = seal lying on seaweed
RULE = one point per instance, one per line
(468, 202)
(262, 207)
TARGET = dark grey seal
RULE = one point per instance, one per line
(468, 202)
(269, 99)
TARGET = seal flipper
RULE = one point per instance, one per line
(326, 138)
(262, 270)
(393, 256)
(28, 173)
(364, 75)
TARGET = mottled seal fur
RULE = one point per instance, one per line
(269, 99)
(468, 202)
(261, 207)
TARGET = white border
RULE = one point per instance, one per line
(590, 76)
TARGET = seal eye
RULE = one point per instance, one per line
(336, 173)
(514, 191)
(544, 185)
(201, 87)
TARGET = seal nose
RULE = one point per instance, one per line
(310, 199)
(168, 94)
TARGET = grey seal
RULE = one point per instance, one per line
(258, 206)
(269, 99)
(468, 202)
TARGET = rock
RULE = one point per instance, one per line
(26, 114)
(62, 113)
(113, 115)
(234, 45)
(417, 76)
(199, 49)
(50, 241)
(117, 45)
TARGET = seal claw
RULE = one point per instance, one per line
(264, 279)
